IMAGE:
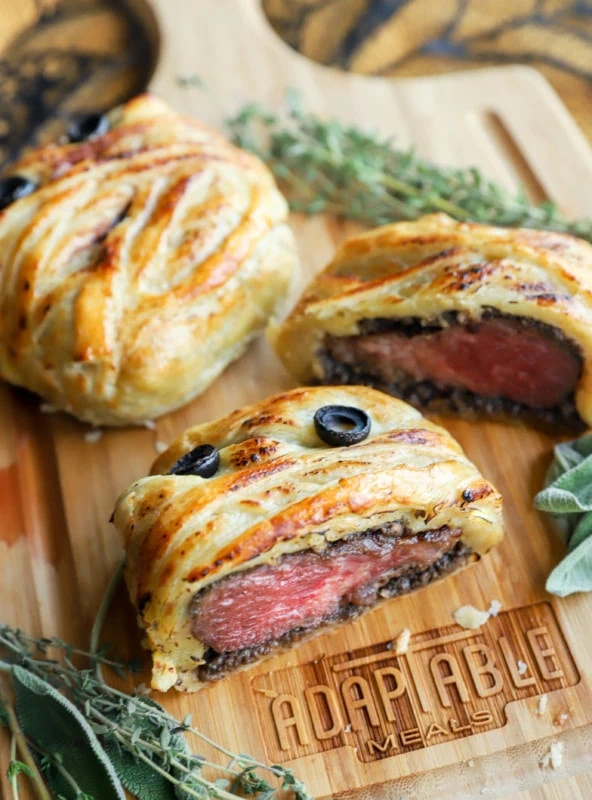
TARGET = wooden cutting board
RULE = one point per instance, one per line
(453, 715)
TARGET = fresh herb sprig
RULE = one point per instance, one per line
(73, 732)
(326, 166)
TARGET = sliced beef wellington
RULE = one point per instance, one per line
(263, 528)
(453, 317)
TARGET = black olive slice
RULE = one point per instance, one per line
(87, 127)
(13, 188)
(341, 426)
(203, 461)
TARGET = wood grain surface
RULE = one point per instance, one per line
(453, 716)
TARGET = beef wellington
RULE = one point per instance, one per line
(261, 529)
(139, 257)
(454, 317)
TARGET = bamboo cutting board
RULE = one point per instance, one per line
(453, 715)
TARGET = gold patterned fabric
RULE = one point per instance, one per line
(401, 38)
(59, 57)
(62, 57)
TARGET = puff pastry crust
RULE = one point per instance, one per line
(434, 267)
(141, 266)
(280, 490)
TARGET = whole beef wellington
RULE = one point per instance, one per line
(263, 528)
(453, 317)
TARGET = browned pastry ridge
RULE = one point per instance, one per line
(290, 534)
(453, 317)
(142, 264)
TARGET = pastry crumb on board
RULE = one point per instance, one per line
(402, 642)
(93, 436)
(470, 617)
(554, 756)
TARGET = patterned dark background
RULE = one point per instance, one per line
(63, 56)
(426, 37)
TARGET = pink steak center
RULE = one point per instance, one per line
(304, 589)
(494, 358)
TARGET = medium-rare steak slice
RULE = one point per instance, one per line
(453, 317)
(261, 529)
(251, 613)
(511, 365)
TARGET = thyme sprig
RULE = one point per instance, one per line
(326, 166)
(126, 725)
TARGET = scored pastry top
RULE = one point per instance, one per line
(121, 270)
(280, 488)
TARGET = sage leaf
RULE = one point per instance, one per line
(570, 493)
(57, 727)
(570, 454)
(568, 498)
(574, 573)
(136, 775)
(582, 530)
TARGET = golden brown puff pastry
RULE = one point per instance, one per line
(291, 534)
(142, 264)
(453, 316)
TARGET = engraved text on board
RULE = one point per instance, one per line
(450, 683)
